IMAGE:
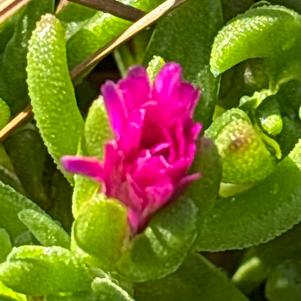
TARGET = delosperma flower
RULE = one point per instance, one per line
(147, 163)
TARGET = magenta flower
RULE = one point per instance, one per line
(147, 164)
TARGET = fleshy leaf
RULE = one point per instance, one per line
(196, 280)
(20, 146)
(36, 270)
(5, 244)
(260, 260)
(269, 32)
(258, 215)
(13, 86)
(204, 191)
(97, 132)
(44, 228)
(101, 229)
(163, 245)
(245, 157)
(4, 113)
(6, 294)
(10, 205)
(51, 91)
(106, 289)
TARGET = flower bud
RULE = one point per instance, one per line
(269, 116)
(245, 158)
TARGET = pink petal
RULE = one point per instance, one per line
(189, 97)
(86, 166)
(115, 106)
(167, 83)
(134, 220)
(158, 196)
(130, 140)
(135, 88)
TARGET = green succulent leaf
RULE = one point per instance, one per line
(6, 294)
(21, 146)
(10, 205)
(196, 280)
(72, 297)
(5, 244)
(188, 33)
(13, 86)
(259, 261)
(293, 4)
(44, 228)
(245, 157)
(207, 162)
(36, 270)
(258, 215)
(97, 132)
(4, 113)
(105, 289)
(269, 32)
(164, 244)
(51, 91)
(101, 229)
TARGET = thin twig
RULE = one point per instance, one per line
(15, 123)
(9, 7)
(114, 7)
(138, 26)
(89, 63)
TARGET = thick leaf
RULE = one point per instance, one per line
(21, 146)
(261, 260)
(5, 244)
(101, 229)
(72, 297)
(245, 157)
(44, 228)
(6, 294)
(51, 91)
(163, 245)
(97, 132)
(61, 195)
(105, 289)
(4, 113)
(185, 36)
(259, 214)
(293, 4)
(99, 30)
(207, 161)
(270, 32)
(13, 86)
(9, 178)
(196, 280)
(11, 203)
(73, 16)
(36, 270)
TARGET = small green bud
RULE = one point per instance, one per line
(270, 118)
(245, 158)
(154, 66)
